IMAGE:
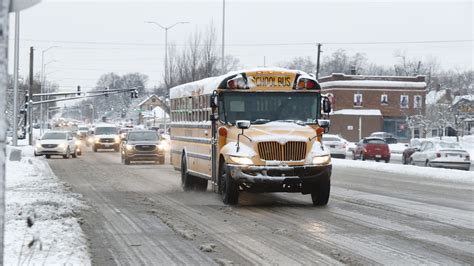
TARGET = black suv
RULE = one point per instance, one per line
(143, 145)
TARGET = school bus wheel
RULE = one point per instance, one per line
(186, 179)
(229, 189)
(320, 193)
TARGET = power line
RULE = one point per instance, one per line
(251, 44)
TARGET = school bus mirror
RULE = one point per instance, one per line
(326, 105)
(243, 124)
(213, 101)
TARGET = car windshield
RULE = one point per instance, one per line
(149, 136)
(105, 130)
(83, 129)
(449, 145)
(263, 107)
(54, 135)
(375, 141)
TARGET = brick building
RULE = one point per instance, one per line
(394, 96)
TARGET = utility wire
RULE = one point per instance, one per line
(252, 44)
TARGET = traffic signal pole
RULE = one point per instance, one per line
(30, 96)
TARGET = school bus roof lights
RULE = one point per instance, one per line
(237, 83)
(306, 84)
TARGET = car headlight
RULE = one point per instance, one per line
(90, 140)
(78, 143)
(129, 147)
(325, 159)
(161, 147)
(38, 145)
(241, 160)
(62, 145)
(97, 140)
(117, 139)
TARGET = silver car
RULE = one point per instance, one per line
(441, 154)
(57, 143)
(336, 145)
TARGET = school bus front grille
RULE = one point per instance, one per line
(274, 151)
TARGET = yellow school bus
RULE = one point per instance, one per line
(255, 130)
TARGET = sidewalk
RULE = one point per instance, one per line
(42, 221)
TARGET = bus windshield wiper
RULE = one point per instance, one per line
(260, 121)
(298, 122)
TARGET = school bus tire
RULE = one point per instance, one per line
(320, 193)
(229, 189)
(187, 181)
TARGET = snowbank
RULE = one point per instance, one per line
(53, 236)
(411, 170)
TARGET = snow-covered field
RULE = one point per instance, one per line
(42, 225)
(418, 171)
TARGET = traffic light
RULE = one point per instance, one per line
(134, 94)
(106, 93)
(78, 90)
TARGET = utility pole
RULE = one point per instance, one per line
(15, 78)
(30, 100)
(317, 61)
(223, 35)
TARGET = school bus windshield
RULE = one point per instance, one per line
(262, 107)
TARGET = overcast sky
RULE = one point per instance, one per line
(97, 37)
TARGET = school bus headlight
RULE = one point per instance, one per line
(241, 160)
(325, 159)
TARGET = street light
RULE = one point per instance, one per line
(166, 46)
(43, 65)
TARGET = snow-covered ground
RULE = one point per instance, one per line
(42, 223)
(418, 171)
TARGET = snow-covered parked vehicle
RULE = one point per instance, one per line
(336, 145)
(441, 154)
(253, 130)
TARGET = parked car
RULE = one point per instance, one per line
(414, 145)
(56, 143)
(388, 137)
(372, 148)
(336, 145)
(441, 154)
(143, 145)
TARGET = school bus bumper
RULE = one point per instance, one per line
(280, 178)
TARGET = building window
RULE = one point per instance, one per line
(384, 99)
(404, 101)
(357, 99)
(417, 101)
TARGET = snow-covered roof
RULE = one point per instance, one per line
(208, 85)
(462, 97)
(148, 98)
(368, 112)
(433, 97)
(157, 113)
(374, 83)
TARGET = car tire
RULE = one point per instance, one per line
(74, 155)
(161, 160)
(187, 180)
(68, 154)
(387, 160)
(320, 193)
(362, 156)
(410, 161)
(48, 156)
(126, 161)
(404, 159)
(354, 156)
(79, 153)
(229, 189)
(94, 148)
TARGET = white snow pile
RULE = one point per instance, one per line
(41, 221)
(410, 170)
